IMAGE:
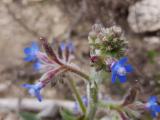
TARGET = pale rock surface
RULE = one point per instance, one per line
(144, 16)
(21, 24)
(152, 42)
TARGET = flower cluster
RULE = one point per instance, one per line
(107, 55)
(107, 41)
(48, 63)
(107, 44)
(107, 48)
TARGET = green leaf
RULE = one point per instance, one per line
(28, 116)
(151, 55)
(67, 115)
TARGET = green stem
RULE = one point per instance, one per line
(110, 105)
(77, 95)
(93, 101)
(79, 72)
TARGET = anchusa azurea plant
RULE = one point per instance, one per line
(108, 61)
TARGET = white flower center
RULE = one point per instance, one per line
(121, 71)
(32, 92)
(151, 104)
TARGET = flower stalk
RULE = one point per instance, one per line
(78, 72)
(77, 94)
(93, 101)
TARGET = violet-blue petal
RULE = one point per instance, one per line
(30, 52)
(85, 100)
(38, 95)
(75, 108)
(34, 89)
(29, 58)
(27, 50)
(35, 46)
(156, 108)
(153, 106)
(123, 60)
(153, 99)
(27, 86)
(129, 68)
(117, 70)
(70, 46)
(62, 46)
(122, 79)
(114, 75)
(37, 65)
(154, 114)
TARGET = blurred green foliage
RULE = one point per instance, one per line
(151, 54)
(28, 116)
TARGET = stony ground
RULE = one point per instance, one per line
(22, 21)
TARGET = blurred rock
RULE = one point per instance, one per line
(2, 115)
(11, 116)
(20, 24)
(144, 16)
(152, 42)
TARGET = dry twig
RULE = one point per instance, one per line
(47, 108)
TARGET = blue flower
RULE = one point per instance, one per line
(34, 89)
(153, 106)
(31, 52)
(120, 70)
(85, 100)
(62, 46)
(68, 45)
(37, 65)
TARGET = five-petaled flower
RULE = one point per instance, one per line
(31, 52)
(153, 106)
(120, 69)
(31, 55)
(34, 89)
(37, 65)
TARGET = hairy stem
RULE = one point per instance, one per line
(77, 95)
(93, 101)
(110, 105)
(78, 72)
